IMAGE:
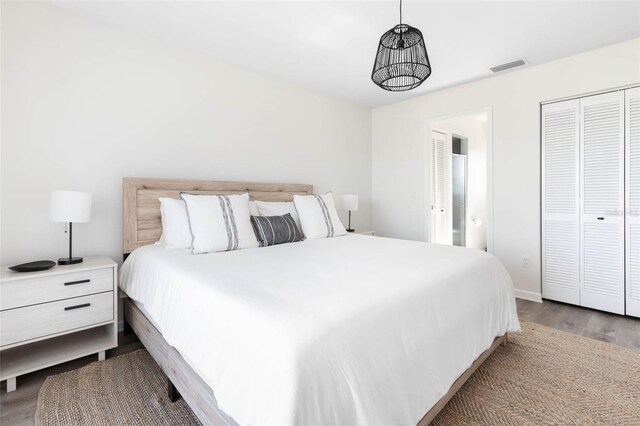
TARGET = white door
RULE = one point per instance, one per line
(632, 185)
(560, 201)
(602, 190)
(441, 231)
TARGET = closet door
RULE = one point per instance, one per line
(632, 185)
(602, 218)
(441, 231)
(560, 201)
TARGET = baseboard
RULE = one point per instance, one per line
(528, 295)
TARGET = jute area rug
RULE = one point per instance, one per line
(542, 377)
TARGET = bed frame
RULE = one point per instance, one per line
(142, 226)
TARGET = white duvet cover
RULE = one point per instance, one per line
(339, 331)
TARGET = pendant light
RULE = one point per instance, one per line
(402, 62)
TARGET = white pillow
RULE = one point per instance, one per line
(275, 208)
(219, 222)
(318, 216)
(253, 208)
(175, 224)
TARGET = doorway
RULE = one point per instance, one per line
(459, 200)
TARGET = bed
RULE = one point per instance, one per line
(346, 330)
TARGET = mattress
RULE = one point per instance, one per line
(347, 330)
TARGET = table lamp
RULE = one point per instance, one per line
(350, 202)
(69, 207)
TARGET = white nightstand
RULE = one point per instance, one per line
(372, 233)
(53, 316)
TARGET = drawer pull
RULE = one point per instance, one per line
(77, 282)
(84, 305)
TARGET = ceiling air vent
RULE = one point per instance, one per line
(509, 65)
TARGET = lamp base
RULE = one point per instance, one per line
(351, 230)
(69, 260)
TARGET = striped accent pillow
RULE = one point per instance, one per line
(219, 222)
(272, 230)
(318, 216)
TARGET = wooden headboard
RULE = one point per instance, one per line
(141, 207)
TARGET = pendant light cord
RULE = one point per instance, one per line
(401, 11)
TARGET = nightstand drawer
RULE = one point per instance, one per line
(46, 319)
(15, 294)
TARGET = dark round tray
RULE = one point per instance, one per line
(38, 265)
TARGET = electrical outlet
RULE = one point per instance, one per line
(526, 261)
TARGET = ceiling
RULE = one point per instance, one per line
(330, 45)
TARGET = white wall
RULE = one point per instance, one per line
(476, 133)
(84, 104)
(400, 181)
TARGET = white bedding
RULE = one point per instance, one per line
(348, 330)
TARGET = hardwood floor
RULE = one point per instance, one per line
(616, 329)
(18, 408)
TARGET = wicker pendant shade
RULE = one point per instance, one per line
(402, 62)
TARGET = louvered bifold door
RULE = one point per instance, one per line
(560, 196)
(440, 188)
(602, 191)
(632, 200)
(435, 220)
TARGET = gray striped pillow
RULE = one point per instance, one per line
(272, 230)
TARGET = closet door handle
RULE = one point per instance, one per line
(601, 218)
(84, 305)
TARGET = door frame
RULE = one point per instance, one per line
(426, 204)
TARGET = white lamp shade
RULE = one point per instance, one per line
(350, 202)
(70, 206)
